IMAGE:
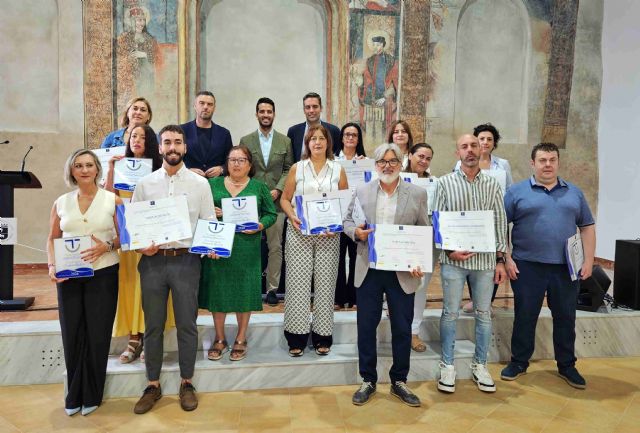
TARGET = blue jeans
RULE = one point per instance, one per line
(536, 279)
(453, 279)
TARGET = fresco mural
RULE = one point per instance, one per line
(146, 55)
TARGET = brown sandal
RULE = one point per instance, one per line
(218, 348)
(417, 344)
(239, 351)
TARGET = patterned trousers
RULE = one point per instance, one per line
(309, 257)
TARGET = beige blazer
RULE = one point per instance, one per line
(411, 210)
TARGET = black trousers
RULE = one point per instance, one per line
(400, 306)
(345, 290)
(87, 307)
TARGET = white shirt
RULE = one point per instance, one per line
(386, 205)
(159, 185)
(308, 182)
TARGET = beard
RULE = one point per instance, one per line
(388, 178)
(173, 162)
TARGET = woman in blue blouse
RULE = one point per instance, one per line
(137, 113)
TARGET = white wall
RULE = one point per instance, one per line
(619, 130)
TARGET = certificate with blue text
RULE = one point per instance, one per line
(69, 263)
(128, 172)
(400, 248)
(472, 231)
(213, 236)
(322, 212)
(241, 211)
(159, 221)
(355, 170)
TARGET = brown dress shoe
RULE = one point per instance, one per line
(188, 399)
(149, 397)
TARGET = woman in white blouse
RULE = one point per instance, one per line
(310, 257)
(87, 305)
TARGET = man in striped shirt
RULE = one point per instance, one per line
(468, 189)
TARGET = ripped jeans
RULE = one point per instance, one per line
(453, 279)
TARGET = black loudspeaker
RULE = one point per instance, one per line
(626, 277)
(593, 289)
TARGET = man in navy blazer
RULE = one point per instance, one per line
(207, 142)
(312, 106)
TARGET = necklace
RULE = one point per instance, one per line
(237, 184)
(313, 173)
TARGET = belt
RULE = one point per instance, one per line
(172, 252)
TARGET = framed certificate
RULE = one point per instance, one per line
(574, 253)
(213, 236)
(465, 231)
(105, 155)
(401, 248)
(323, 211)
(128, 171)
(355, 170)
(241, 211)
(67, 251)
(158, 221)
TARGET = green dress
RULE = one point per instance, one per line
(233, 285)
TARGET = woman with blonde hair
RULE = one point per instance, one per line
(137, 113)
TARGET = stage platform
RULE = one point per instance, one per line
(31, 352)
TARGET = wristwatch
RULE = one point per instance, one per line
(501, 259)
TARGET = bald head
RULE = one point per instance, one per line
(466, 138)
(468, 150)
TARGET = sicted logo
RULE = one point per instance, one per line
(72, 245)
(215, 227)
(134, 164)
(239, 203)
(4, 231)
(323, 206)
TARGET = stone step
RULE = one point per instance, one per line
(267, 369)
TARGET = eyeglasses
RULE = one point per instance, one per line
(239, 161)
(351, 134)
(383, 162)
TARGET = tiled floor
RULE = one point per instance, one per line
(537, 402)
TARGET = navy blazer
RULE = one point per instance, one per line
(296, 134)
(213, 155)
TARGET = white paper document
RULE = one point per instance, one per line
(465, 231)
(69, 263)
(575, 256)
(128, 172)
(213, 236)
(324, 211)
(430, 184)
(159, 221)
(401, 248)
(355, 170)
(105, 155)
(500, 175)
(241, 211)
(408, 177)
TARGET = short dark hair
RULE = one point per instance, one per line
(265, 100)
(360, 146)
(488, 127)
(306, 153)
(544, 147)
(379, 39)
(150, 146)
(247, 153)
(312, 95)
(172, 128)
(206, 93)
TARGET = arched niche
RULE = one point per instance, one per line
(246, 49)
(492, 67)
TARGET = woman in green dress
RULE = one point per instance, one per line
(233, 285)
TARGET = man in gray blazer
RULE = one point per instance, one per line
(272, 158)
(388, 200)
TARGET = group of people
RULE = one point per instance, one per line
(141, 293)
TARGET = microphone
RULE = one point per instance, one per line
(5, 142)
(25, 158)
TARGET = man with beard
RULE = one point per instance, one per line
(208, 142)
(468, 189)
(171, 267)
(272, 158)
(389, 200)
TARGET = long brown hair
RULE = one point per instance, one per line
(307, 139)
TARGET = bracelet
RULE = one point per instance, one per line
(109, 246)
(51, 265)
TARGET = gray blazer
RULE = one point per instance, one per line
(411, 210)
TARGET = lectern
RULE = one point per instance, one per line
(9, 180)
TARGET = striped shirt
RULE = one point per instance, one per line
(455, 193)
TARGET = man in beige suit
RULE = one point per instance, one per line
(272, 158)
(388, 200)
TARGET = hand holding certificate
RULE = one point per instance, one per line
(401, 248)
(69, 258)
(574, 253)
(322, 212)
(105, 155)
(472, 231)
(241, 211)
(128, 171)
(213, 236)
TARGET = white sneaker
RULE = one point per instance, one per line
(447, 381)
(482, 377)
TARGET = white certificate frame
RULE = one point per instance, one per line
(67, 251)
(213, 236)
(341, 198)
(472, 231)
(127, 172)
(241, 211)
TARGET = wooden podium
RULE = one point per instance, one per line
(9, 180)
